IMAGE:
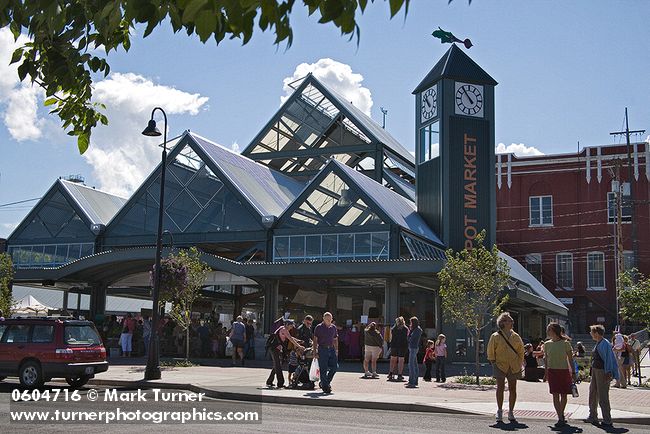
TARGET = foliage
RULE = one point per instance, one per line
(634, 298)
(182, 276)
(6, 276)
(64, 35)
(176, 363)
(471, 286)
(471, 379)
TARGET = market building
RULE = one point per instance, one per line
(323, 210)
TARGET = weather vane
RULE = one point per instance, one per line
(448, 37)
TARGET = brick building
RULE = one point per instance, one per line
(557, 215)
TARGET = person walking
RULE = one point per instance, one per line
(373, 346)
(277, 344)
(441, 356)
(238, 339)
(636, 353)
(558, 367)
(304, 331)
(326, 350)
(429, 359)
(506, 354)
(604, 367)
(414, 335)
(398, 349)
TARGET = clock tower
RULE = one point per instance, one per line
(455, 179)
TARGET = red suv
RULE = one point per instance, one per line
(39, 349)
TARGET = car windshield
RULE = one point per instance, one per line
(81, 335)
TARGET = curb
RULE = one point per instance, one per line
(291, 400)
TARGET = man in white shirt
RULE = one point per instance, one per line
(636, 352)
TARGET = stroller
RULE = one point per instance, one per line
(300, 379)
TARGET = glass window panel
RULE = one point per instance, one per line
(61, 253)
(205, 186)
(183, 210)
(430, 142)
(379, 243)
(74, 252)
(36, 256)
(346, 244)
(281, 247)
(182, 173)
(297, 246)
(43, 334)
(330, 245)
(596, 270)
(48, 254)
(86, 250)
(564, 270)
(313, 245)
(362, 244)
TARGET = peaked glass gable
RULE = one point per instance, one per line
(55, 219)
(310, 122)
(196, 201)
(333, 203)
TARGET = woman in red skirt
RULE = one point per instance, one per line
(558, 362)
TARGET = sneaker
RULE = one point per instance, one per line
(400, 378)
(269, 385)
(592, 420)
(511, 417)
(375, 375)
(607, 425)
(560, 423)
(499, 416)
(411, 386)
(390, 377)
(367, 375)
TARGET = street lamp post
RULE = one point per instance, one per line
(152, 372)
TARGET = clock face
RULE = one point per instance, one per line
(469, 99)
(429, 104)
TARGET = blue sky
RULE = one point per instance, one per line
(566, 71)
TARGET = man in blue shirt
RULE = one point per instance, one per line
(415, 333)
(603, 369)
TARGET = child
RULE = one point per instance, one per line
(293, 363)
(558, 357)
(429, 358)
(441, 355)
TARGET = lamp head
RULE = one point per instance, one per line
(151, 130)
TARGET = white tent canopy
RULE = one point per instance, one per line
(29, 305)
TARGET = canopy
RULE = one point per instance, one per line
(30, 305)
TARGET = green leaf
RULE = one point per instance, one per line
(205, 23)
(49, 102)
(192, 9)
(395, 6)
(83, 141)
(18, 53)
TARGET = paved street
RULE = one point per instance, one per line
(296, 419)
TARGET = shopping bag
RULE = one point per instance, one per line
(314, 371)
(229, 348)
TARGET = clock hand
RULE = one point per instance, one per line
(471, 101)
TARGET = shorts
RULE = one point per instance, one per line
(372, 352)
(510, 376)
(237, 343)
(398, 352)
(559, 381)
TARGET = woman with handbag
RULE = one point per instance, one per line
(558, 365)
(506, 354)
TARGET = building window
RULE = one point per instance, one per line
(626, 207)
(628, 260)
(430, 142)
(332, 247)
(541, 210)
(596, 271)
(564, 270)
(534, 265)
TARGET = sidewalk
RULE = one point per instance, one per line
(631, 405)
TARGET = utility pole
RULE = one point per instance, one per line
(620, 265)
(630, 179)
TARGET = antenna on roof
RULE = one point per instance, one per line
(384, 112)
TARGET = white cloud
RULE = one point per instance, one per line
(336, 75)
(235, 147)
(121, 157)
(518, 149)
(18, 101)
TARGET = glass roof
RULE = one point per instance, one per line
(334, 203)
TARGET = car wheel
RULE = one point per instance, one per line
(77, 382)
(30, 375)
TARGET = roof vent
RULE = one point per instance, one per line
(75, 178)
